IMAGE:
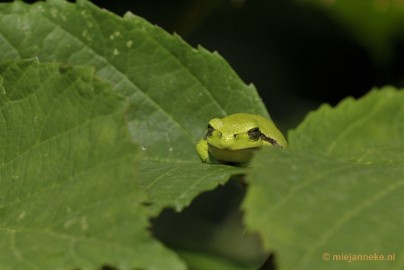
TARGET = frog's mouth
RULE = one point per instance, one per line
(232, 156)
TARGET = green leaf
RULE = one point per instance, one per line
(68, 192)
(176, 183)
(337, 190)
(174, 89)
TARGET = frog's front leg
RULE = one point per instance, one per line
(202, 150)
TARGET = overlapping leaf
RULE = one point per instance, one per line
(68, 193)
(337, 190)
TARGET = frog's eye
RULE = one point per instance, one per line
(254, 134)
(210, 131)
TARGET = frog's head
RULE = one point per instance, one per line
(235, 138)
(236, 132)
(233, 135)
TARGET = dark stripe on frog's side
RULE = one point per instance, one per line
(270, 140)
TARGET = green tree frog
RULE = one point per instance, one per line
(234, 138)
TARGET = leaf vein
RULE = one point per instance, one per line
(129, 79)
